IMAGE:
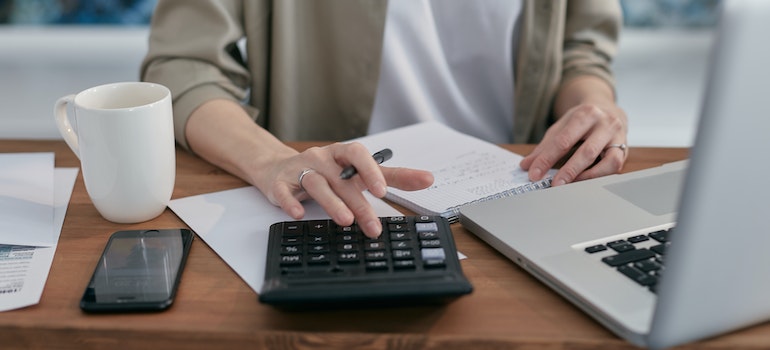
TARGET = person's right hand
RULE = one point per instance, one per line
(221, 132)
(342, 199)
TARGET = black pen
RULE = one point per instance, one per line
(379, 157)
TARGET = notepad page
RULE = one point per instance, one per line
(465, 168)
(470, 176)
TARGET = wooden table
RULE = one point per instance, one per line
(215, 309)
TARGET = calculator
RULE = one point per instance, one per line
(317, 262)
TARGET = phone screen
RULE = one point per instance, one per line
(138, 270)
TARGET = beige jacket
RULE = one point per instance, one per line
(311, 67)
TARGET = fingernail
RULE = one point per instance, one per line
(373, 226)
(296, 212)
(345, 216)
(535, 173)
(381, 189)
(558, 182)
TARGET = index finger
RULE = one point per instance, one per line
(548, 154)
(366, 166)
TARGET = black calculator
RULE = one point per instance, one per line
(317, 262)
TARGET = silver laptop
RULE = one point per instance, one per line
(709, 216)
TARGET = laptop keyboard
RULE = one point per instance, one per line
(640, 258)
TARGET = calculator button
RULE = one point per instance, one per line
(400, 245)
(377, 265)
(351, 257)
(318, 259)
(399, 236)
(375, 255)
(318, 239)
(433, 263)
(290, 249)
(430, 243)
(373, 245)
(397, 227)
(432, 253)
(289, 260)
(318, 227)
(426, 227)
(347, 247)
(402, 254)
(403, 264)
(347, 238)
(433, 257)
(423, 218)
(291, 240)
(347, 229)
(292, 229)
(396, 219)
(318, 248)
(428, 235)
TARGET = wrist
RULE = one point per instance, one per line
(221, 132)
(584, 90)
(260, 167)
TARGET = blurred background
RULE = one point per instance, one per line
(50, 48)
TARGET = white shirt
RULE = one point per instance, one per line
(449, 61)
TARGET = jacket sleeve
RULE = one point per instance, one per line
(591, 36)
(193, 51)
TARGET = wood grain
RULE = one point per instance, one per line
(215, 309)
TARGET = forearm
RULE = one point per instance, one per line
(221, 132)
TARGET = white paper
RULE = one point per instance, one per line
(465, 168)
(24, 269)
(26, 199)
(235, 224)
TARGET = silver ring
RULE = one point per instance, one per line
(622, 146)
(301, 176)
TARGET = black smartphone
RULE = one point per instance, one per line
(139, 270)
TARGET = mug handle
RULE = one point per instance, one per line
(63, 123)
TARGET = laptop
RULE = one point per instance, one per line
(709, 215)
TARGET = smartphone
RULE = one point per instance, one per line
(139, 270)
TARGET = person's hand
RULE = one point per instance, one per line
(315, 173)
(597, 136)
(221, 132)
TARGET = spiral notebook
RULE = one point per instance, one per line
(466, 169)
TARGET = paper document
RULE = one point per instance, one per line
(235, 224)
(24, 269)
(466, 169)
(26, 199)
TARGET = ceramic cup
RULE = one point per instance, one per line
(123, 134)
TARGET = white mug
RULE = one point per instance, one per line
(123, 134)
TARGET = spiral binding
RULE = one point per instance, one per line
(453, 214)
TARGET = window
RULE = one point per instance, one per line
(82, 12)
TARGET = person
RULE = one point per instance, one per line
(510, 71)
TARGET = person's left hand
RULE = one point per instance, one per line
(592, 136)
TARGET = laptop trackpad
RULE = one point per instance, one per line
(657, 194)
